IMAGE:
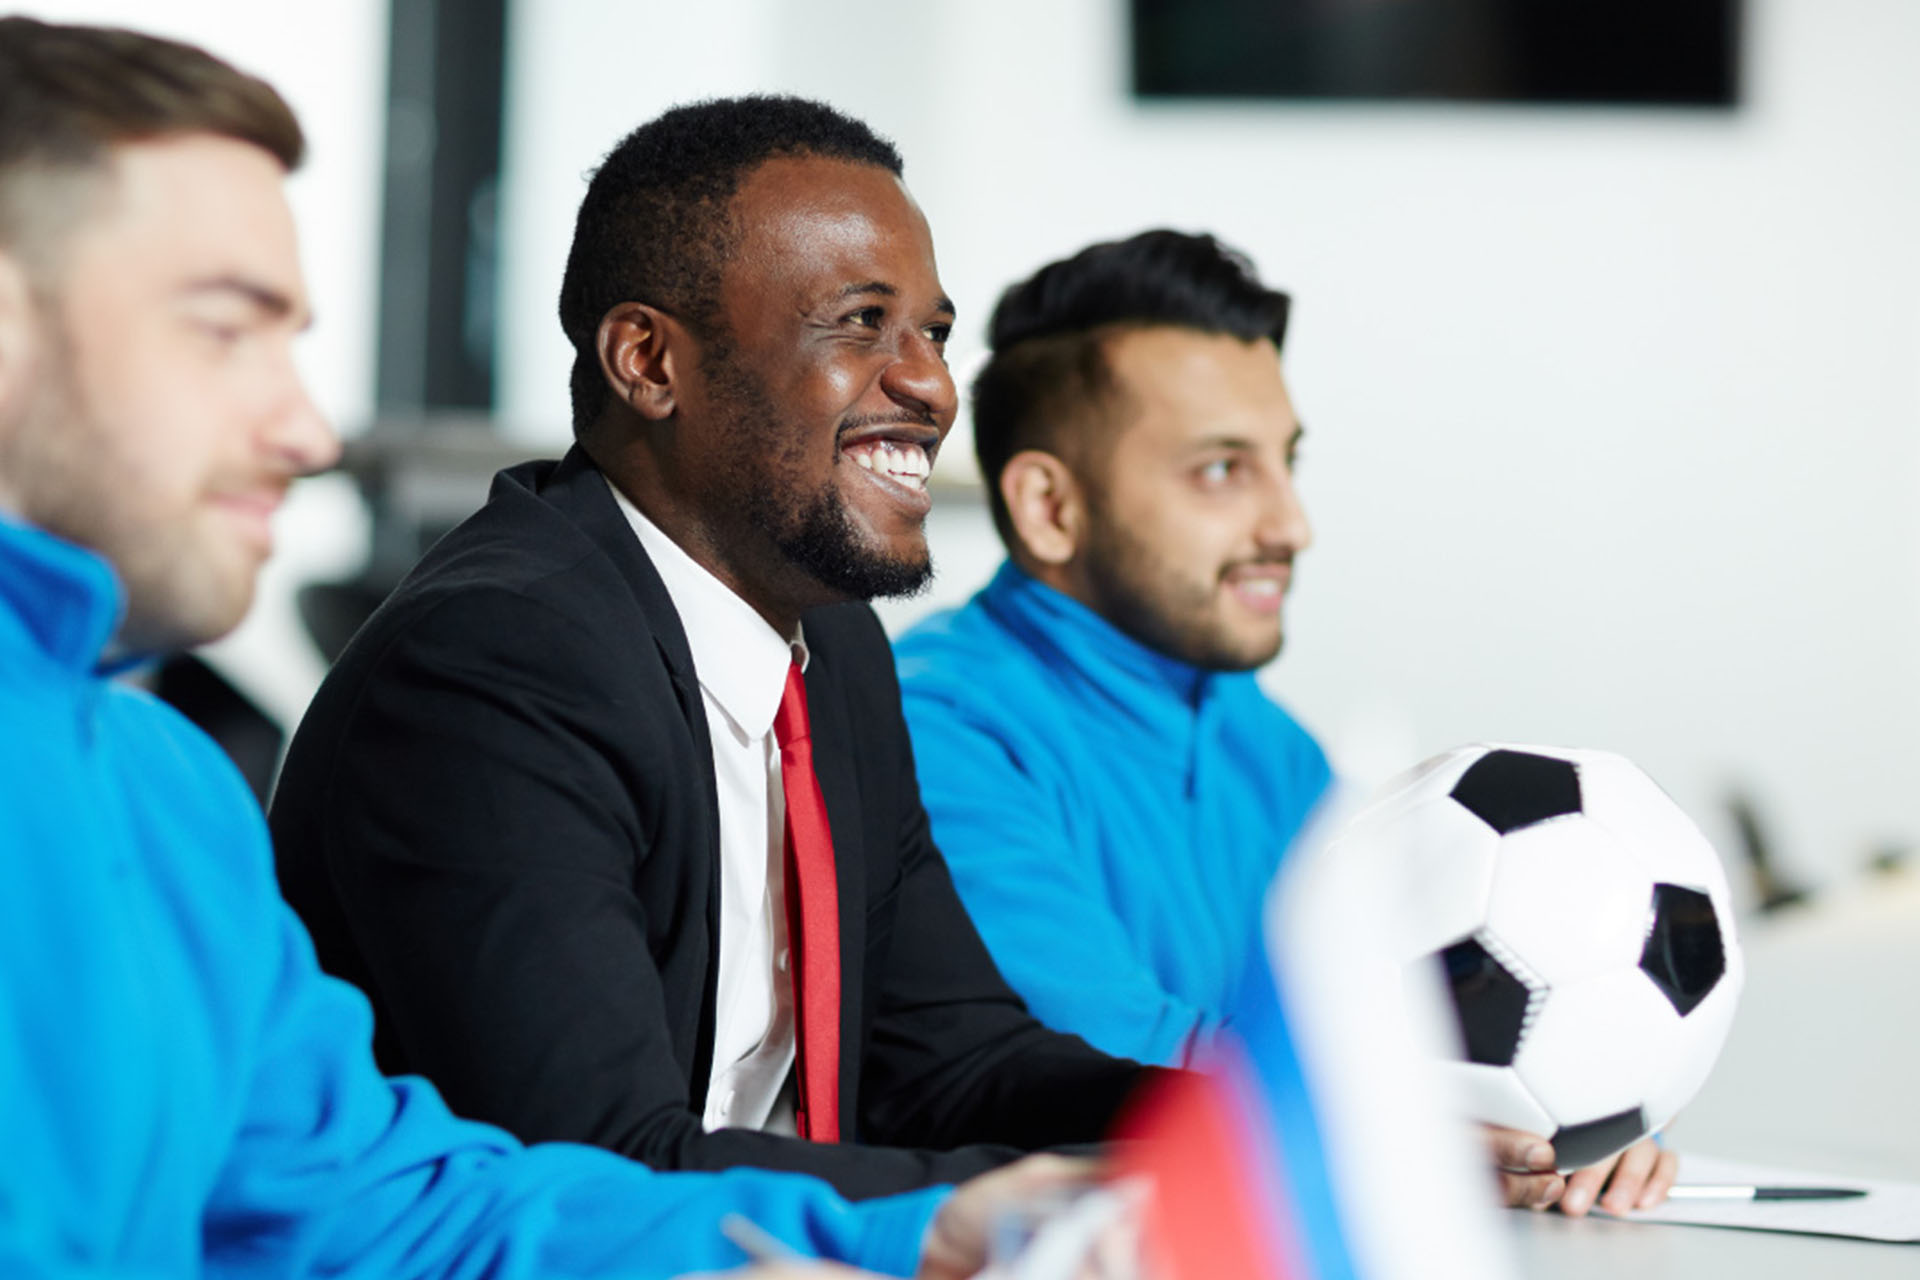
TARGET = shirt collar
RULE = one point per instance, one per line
(740, 660)
(65, 598)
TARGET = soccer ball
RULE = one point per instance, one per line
(1583, 929)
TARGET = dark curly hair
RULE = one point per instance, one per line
(655, 225)
(1049, 370)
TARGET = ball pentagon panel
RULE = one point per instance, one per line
(1684, 954)
(1494, 999)
(1577, 1145)
(1570, 900)
(1508, 789)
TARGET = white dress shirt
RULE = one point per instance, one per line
(742, 664)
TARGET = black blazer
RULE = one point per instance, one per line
(499, 819)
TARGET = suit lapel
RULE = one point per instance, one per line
(580, 491)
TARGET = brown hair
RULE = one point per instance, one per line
(70, 93)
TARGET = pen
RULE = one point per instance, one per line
(1718, 1191)
(756, 1241)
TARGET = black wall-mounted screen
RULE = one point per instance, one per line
(1666, 53)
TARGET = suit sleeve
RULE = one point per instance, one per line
(1034, 892)
(337, 1171)
(953, 1049)
(483, 826)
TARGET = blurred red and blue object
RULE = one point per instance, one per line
(1316, 1142)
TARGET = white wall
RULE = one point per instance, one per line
(1612, 413)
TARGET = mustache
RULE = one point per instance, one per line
(1284, 559)
(902, 417)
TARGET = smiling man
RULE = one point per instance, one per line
(610, 809)
(1094, 745)
(1095, 748)
(186, 1093)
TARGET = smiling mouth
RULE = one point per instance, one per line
(904, 462)
(1261, 585)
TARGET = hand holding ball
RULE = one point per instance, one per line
(1584, 930)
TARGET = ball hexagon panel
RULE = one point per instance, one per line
(1510, 789)
(1496, 1096)
(1571, 861)
(1596, 1047)
(1445, 860)
(1493, 1000)
(1702, 1033)
(1634, 807)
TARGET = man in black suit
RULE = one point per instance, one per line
(538, 810)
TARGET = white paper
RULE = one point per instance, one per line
(1890, 1211)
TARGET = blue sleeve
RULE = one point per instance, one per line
(338, 1171)
(1036, 893)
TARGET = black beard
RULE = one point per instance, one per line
(821, 541)
(1160, 610)
(813, 533)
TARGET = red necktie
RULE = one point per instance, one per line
(813, 919)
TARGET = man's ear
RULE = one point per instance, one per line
(640, 350)
(1045, 505)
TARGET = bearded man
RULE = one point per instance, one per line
(1111, 787)
(610, 809)
(186, 1093)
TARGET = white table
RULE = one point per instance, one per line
(1821, 1070)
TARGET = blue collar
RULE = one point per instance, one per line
(56, 597)
(1064, 629)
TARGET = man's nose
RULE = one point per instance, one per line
(1283, 517)
(919, 376)
(301, 436)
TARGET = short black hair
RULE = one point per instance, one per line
(655, 224)
(1048, 366)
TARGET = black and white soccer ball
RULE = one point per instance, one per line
(1584, 930)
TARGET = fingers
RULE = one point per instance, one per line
(1637, 1178)
(1641, 1178)
(1583, 1187)
(1525, 1164)
(1517, 1151)
(1531, 1190)
(1665, 1174)
(956, 1244)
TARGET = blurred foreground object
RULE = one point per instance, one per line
(1318, 1145)
(1584, 929)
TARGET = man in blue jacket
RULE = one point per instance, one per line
(1110, 786)
(184, 1093)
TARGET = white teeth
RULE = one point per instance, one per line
(906, 464)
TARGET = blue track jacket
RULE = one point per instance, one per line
(1111, 815)
(183, 1094)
